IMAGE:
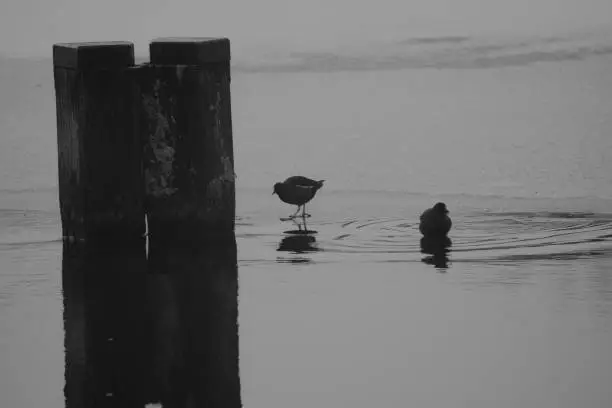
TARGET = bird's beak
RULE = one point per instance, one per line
(274, 192)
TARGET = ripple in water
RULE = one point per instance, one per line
(20, 228)
(374, 235)
(500, 236)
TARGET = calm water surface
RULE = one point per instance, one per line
(517, 313)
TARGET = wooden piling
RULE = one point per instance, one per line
(154, 139)
(99, 154)
(186, 131)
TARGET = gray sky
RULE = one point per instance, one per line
(30, 27)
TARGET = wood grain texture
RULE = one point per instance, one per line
(188, 162)
(99, 154)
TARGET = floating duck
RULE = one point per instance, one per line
(435, 222)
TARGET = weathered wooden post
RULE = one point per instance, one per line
(186, 129)
(99, 153)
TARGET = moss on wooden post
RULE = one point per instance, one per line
(99, 154)
(186, 131)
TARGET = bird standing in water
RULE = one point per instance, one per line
(297, 190)
(435, 222)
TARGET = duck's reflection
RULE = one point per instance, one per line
(437, 249)
(298, 244)
(300, 241)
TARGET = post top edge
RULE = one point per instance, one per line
(93, 44)
(189, 40)
(189, 50)
(93, 55)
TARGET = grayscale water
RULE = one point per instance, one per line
(516, 138)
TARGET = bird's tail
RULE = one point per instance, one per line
(320, 184)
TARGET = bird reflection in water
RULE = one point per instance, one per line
(298, 241)
(437, 249)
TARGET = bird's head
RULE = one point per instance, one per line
(277, 187)
(441, 208)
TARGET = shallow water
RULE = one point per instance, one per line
(516, 311)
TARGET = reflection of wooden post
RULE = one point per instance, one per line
(105, 338)
(194, 296)
(186, 129)
(100, 177)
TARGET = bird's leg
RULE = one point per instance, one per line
(304, 214)
(296, 213)
(297, 223)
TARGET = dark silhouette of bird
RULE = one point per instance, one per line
(435, 222)
(298, 190)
